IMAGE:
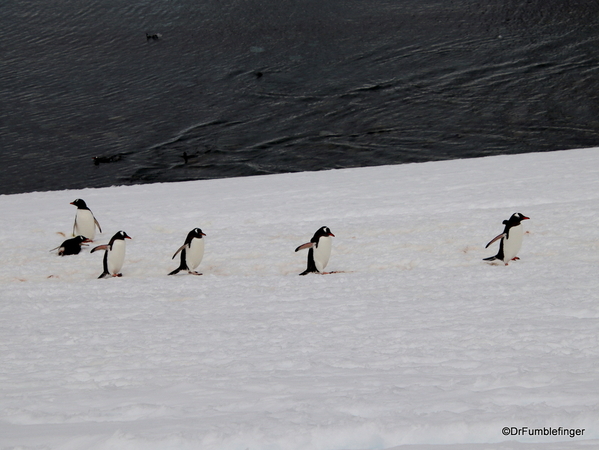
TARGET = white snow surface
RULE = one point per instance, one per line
(415, 343)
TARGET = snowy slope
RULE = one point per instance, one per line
(416, 344)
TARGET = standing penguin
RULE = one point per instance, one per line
(71, 246)
(85, 222)
(114, 254)
(192, 252)
(320, 250)
(511, 239)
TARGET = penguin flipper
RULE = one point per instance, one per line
(98, 224)
(306, 245)
(183, 265)
(99, 247)
(104, 274)
(496, 238)
(490, 258)
(180, 249)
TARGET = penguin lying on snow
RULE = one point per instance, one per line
(511, 239)
(85, 222)
(114, 254)
(320, 250)
(71, 246)
(192, 252)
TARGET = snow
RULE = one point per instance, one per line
(416, 344)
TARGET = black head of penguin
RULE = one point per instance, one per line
(322, 232)
(515, 220)
(119, 235)
(519, 217)
(196, 233)
(80, 204)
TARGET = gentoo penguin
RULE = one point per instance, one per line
(114, 254)
(192, 252)
(85, 222)
(71, 246)
(320, 250)
(511, 239)
(153, 36)
(106, 159)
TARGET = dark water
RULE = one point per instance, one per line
(249, 87)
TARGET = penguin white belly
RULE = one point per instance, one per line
(85, 224)
(115, 257)
(322, 253)
(195, 253)
(512, 246)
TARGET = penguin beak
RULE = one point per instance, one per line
(331, 234)
(525, 218)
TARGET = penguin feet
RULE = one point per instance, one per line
(191, 272)
(515, 258)
(306, 272)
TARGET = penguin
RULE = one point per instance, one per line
(105, 159)
(71, 246)
(320, 250)
(192, 252)
(187, 157)
(153, 36)
(85, 222)
(114, 254)
(511, 239)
